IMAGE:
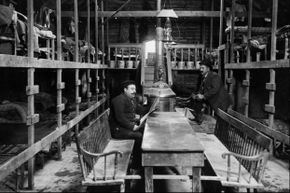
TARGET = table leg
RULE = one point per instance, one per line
(148, 171)
(196, 184)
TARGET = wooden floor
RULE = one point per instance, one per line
(65, 175)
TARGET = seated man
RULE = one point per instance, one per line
(211, 91)
(124, 119)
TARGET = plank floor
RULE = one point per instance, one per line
(65, 176)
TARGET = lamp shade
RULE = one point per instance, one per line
(167, 13)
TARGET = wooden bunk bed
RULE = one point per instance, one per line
(232, 63)
(14, 158)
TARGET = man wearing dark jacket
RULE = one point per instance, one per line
(211, 90)
(124, 118)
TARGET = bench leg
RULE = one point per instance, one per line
(20, 177)
(148, 172)
(122, 187)
(196, 184)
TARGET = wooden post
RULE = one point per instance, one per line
(142, 63)
(96, 30)
(221, 37)
(89, 30)
(246, 82)
(31, 90)
(136, 28)
(48, 47)
(77, 80)
(211, 26)
(270, 108)
(53, 50)
(97, 88)
(89, 94)
(232, 36)
(230, 82)
(107, 29)
(104, 86)
(103, 33)
(232, 32)
(60, 84)
(203, 26)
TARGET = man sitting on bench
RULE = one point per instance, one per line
(124, 119)
(211, 91)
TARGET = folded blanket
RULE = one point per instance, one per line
(5, 15)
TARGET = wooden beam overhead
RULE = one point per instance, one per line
(145, 14)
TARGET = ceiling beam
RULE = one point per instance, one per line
(146, 14)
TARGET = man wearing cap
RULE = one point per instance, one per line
(211, 90)
(124, 118)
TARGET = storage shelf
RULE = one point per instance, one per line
(13, 61)
(267, 64)
(177, 69)
(121, 68)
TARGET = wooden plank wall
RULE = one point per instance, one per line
(184, 29)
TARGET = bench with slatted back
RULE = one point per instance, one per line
(104, 161)
(237, 152)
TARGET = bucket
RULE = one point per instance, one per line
(112, 64)
(189, 65)
(129, 64)
(173, 64)
(121, 64)
(181, 65)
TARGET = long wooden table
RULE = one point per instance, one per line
(169, 140)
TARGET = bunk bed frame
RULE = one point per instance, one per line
(31, 64)
(231, 64)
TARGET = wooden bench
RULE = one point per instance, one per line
(104, 161)
(237, 153)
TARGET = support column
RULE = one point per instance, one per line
(60, 84)
(60, 107)
(97, 51)
(31, 90)
(89, 93)
(270, 108)
(97, 31)
(89, 30)
(211, 26)
(77, 79)
(103, 32)
(221, 37)
(232, 37)
(246, 82)
(232, 32)
(97, 90)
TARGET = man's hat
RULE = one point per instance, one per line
(13, 2)
(207, 62)
(126, 83)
